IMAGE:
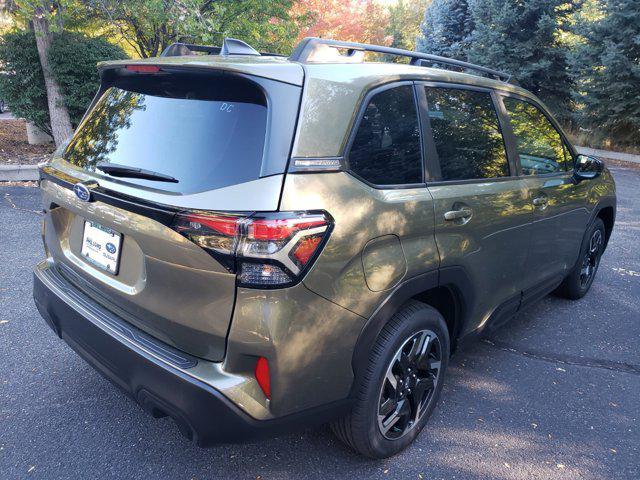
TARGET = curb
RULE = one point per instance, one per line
(18, 173)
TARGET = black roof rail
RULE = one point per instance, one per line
(322, 50)
(230, 46)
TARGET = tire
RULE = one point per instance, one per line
(415, 328)
(579, 281)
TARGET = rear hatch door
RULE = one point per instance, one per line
(155, 143)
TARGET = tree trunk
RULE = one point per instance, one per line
(58, 114)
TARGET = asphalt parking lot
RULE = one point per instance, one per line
(554, 394)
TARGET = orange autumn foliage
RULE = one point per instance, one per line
(348, 20)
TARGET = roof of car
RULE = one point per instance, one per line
(293, 72)
(348, 58)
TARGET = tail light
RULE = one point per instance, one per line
(270, 250)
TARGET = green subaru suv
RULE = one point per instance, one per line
(249, 243)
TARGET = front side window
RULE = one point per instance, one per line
(539, 144)
(386, 148)
(466, 133)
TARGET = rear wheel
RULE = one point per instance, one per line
(578, 282)
(401, 386)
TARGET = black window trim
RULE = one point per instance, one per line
(565, 141)
(433, 161)
(356, 125)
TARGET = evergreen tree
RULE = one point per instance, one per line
(606, 69)
(445, 29)
(523, 38)
(404, 23)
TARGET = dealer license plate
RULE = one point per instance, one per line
(101, 246)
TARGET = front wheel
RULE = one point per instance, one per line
(402, 383)
(578, 282)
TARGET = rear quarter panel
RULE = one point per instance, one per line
(361, 214)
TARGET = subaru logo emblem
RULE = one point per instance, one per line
(82, 192)
(111, 248)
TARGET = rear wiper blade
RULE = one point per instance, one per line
(117, 170)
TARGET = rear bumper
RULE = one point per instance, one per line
(152, 373)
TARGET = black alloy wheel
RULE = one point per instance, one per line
(409, 384)
(591, 258)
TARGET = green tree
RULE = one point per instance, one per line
(404, 23)
(45, 17)
(446, 29)
(524, 39)
(21, 80)
(606, 69)
(149, 26)
(73, 59)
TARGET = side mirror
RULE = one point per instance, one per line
(587, 167)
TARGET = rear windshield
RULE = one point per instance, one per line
(205, 132)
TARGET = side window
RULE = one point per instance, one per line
(386, 148)
(539, 144)
(466, 133)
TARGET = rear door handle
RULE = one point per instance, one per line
(461, 214)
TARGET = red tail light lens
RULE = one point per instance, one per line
(227, 226)
(281, 229)
(213, 232)
(305, 249)
(266, 250)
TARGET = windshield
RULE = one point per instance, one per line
(205, 132)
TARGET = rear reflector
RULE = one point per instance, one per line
(143, 68)
(262, 376)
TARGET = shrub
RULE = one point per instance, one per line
(73, 58)
(21, 80)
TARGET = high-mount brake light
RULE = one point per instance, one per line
(143, 68)
(267, 250)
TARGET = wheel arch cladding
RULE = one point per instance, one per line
(607, 215)
(453, 282)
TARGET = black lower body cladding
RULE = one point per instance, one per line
(202, 413)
